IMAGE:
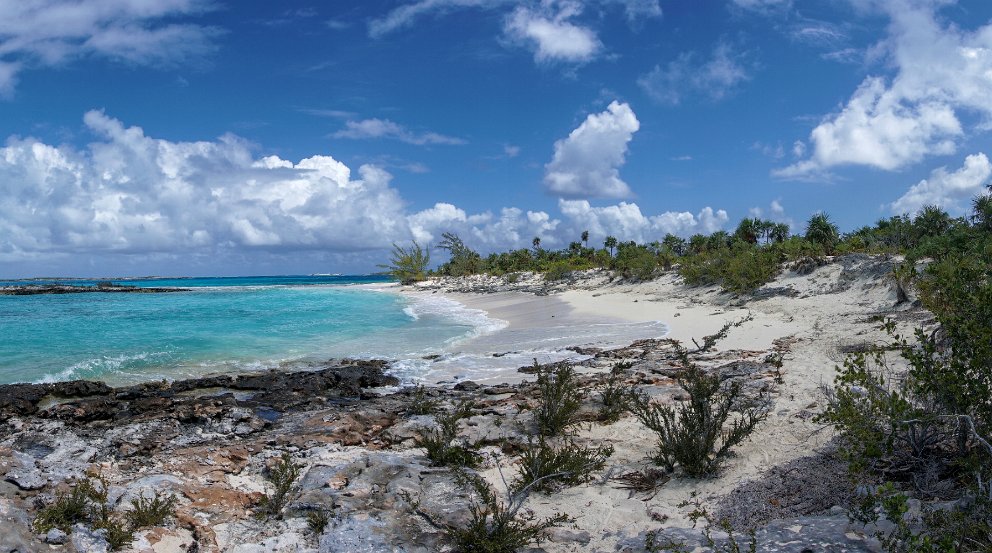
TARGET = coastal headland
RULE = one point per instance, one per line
(353, 435)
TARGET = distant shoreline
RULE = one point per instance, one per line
(41, 289)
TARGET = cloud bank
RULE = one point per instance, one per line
(131, 196)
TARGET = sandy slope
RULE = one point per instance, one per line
(809, 317)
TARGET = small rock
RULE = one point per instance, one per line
(467, 386)
(84, 539)
(56, 537)
(27, 479)
(564, 535)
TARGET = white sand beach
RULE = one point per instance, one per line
(806, 317)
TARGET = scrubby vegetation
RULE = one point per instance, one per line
(916, 413)
(282, 476)
(441, 443)
(408, 265)
(501, 524)
(739, 262)
(694, 435)
(86, 503)
(560, 397)
(615, 394)
(75, 506)
(146, 512)
(546, 467)
(421, 403)
(318, 520)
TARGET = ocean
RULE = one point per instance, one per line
(222, 325)
(237, 324)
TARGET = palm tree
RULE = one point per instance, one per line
(748, 230)
(610, 242)
(674, 243)
(537, 242)
(820, 230)
(932, 221)
(779, 233)
(585, 237)
(982, 206)
(718, 240)
(698, 243)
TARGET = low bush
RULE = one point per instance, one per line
(615, 394)
(69, 508)
(282, 476)
(500, 525)
(318, 520)
(560, 397)
(85, 503)
(421, 403)
(558, 270)
(440, 443)
(146, 513)
(691, 435)
(547, 468)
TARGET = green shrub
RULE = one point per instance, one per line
(691, 435)
(547, 468)
(499, 525)
(282, 476)
(924, 423)
(739, 269)
(747, 268)
(408, 265)
(439, 443)
(560, 397)
(145, 513)
(118, 534)
(559, 270)
(421, 403)
(85, 503)
(318, 520)
(69, 508)
(615, 394)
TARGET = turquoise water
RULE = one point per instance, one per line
(221, 325)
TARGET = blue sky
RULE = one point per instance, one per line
(222, 137)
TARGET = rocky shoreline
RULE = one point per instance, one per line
(210, 442)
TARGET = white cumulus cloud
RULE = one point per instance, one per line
(551, 34)
(625, 221)
(134, 201)
(587, 163)
(942, 72)
(51, 32)
(947, 189)
(130, 193)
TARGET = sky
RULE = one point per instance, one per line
(223, 137)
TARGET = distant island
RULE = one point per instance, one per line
(103, 286)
